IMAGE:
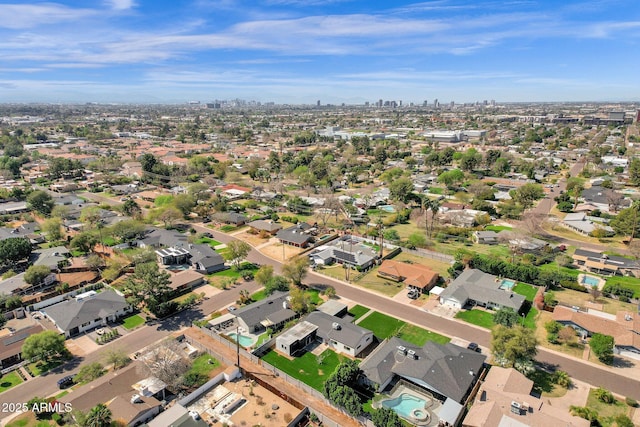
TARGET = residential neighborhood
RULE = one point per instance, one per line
(193, 265)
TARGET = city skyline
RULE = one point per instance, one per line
(293, 51)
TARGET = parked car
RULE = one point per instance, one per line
(474, 347)
(65, 382)
(413, 294)
(207, 235)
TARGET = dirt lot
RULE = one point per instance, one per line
(275, 250)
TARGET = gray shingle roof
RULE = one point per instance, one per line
(70, 314)
(295, 234)
(482, 287)
(255, 313)
(349, 334)
(447, 369)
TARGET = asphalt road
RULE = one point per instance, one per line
(624, 383)
(46, 385)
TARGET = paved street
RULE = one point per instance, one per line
(621, 380)
(130, 343)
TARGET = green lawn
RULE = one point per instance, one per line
(232, 272)
(497, 228)
(259, 296)
(384, 326)
(204, 364)
(261, 339)
(10, 380)
(418, 336)
(381, 325)
(40, 367)
(357, 311)
(211, 242)
(306, 368)
(554, 268)
(477, 317)
(132, 321)
(530, 319)
(626, 282)
(436, 190)
(314, 296)
(606, 411)
(527, 291)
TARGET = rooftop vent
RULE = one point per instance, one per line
(336, 326)
(412, 354)
(136, 398)
(402, 349)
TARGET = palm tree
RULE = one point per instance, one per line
(99, 416)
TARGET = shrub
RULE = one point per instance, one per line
(624, 421)
(631, 402)
(604, 395)
(584, 412)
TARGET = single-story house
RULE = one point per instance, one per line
(186, 279)
(267, 226)
(598, 262)
(485, 237)
(134, 409)
(51, 257)
(505, 399)
(580, 222)
(177, 416)
(624, 327)
(17, 286)
(414, 275)
(474, 287)
(272, 312)
(159, 237)
(230, 218)
(201, 256)
(87, 311)
(297, 338)
(9, 208)
(448, 372)
(346, 251)
(342, 336)
(11, 344)
(298, 235)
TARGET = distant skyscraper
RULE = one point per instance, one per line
(425, 103)
(318, 103)
(380, 103)
(436, 104)
(400, 103)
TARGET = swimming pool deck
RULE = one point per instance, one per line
(431, 407)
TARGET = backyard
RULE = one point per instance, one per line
(308, 368)
(203, 365)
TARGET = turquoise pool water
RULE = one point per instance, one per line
(244, 340)
(591, 281)
(387, 208)
(407, 406)
(507, 284)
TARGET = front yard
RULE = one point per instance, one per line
(357, 311)
(132, 322)
(12, 379)
(384, 326)
(607, 412)
(308, 368)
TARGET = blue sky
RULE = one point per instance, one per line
(300, 51)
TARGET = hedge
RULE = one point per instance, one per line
(525, 273)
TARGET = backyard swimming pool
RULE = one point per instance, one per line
(387, 208)
(407, 406)
(591, 281)
(244, 340)
(507, 284)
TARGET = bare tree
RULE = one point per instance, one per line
(595, 293)
(165, 361)
(614, 200)
(532, 222)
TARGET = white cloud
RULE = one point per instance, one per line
(19, 16)
(121, 4)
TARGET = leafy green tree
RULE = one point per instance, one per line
(264, 275)
(39, 405)
(128, 230)
(527, 194)
(89, 372)
(117, 358)
(417, 240)
(602, 346)
(84, 242)
(401, 189)
(148, 286)
(41, 202)
(276, 283)
(299, 300)
(237, 251)
(626, 222)
(296, 269)
(184, 203)
(506, 316)
(52, 227)
(451, 177)
(338, 387)
(14, 249)
(470, 160)
(634, 171)
(3, 320)
(36, 274)
(169, 215)
(131, 208)
(60, 211)
(510, 345)
(44, 346)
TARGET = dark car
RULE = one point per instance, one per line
(474, 347)
(207, 235)
(65, 382)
